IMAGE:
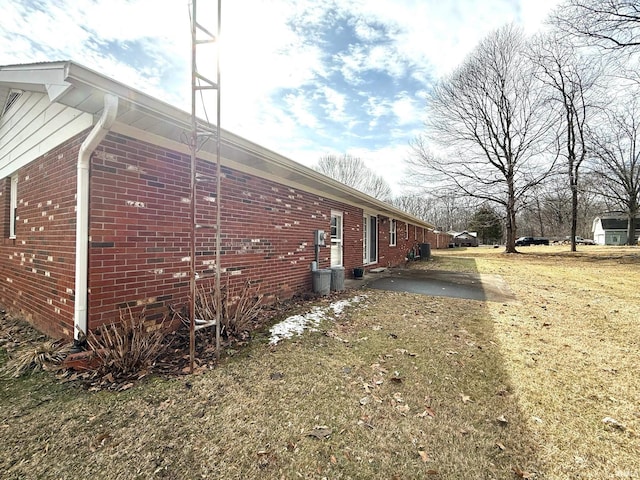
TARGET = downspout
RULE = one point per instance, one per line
(97, 134)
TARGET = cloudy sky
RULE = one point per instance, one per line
(304, 78)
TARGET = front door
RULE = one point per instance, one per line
(336, 238)
(370, 239)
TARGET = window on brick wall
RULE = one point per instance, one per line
(415, 232)
(392, 233)
(13, 206)
(406, 231)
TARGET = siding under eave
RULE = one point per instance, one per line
(33, 126)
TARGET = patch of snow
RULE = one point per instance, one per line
(296, 324)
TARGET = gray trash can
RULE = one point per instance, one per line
(337, 279)
(425, 251)
(322, 281)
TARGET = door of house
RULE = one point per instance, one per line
(336, 238)
(370, 239)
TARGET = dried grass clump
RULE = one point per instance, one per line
(237, 314)
(44, 356)
(128, 347)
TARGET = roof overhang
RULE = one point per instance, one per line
(71, 84)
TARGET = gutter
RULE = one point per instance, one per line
(97, 134)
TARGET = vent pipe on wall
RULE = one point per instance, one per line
(97, 134)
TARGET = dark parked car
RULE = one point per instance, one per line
(526, 241)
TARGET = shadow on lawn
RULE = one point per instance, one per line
(410, 386)
(455, 379)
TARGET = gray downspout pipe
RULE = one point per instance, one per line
(97, 134)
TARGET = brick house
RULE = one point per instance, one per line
(85, 157)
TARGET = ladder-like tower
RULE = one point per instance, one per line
(202, 132)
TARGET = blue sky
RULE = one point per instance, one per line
(301, 77)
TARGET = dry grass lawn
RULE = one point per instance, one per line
(399, 386)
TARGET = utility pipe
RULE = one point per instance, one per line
(97, 134)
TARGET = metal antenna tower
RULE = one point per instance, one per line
(203, 130)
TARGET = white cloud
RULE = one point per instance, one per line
(405, 109)
(300, 107)
(335, 105)
(268, 64)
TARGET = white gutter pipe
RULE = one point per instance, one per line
(90, 143)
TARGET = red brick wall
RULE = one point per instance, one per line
(395, 255)
(37, 267)
(139, 234)
(140, 230)
(388, 255)
(438, 240)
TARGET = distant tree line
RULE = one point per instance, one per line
(542, 133)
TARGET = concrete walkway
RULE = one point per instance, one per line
(472, 286)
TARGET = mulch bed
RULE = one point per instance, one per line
(16, 334)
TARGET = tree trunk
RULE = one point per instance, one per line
(573, 180)
(631, 229)
(511, 218)
(539, 212)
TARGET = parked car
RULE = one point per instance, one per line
(581, 241)
(527, 241)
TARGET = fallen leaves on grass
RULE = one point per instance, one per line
(523, 474)
(100, 441)
(612, 422)
(428, 412)
(502, 420)
(320, 432)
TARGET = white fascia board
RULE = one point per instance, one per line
(58, 77)
(79, 75)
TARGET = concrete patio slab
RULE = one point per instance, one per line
(472, 286)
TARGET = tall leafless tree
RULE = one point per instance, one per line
(352, 171)
(615, 146)
(611, 24)
(491, 123)
(569, 78)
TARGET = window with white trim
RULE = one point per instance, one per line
(415, 232)
(392, 233)
(13, 206)
(406, 230)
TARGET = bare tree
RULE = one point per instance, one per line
(419, 206)
(552, 215)
(610, 24)
(491, 122)
(615, 146)
(353, 172)
(569, 78)
(446, 213)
